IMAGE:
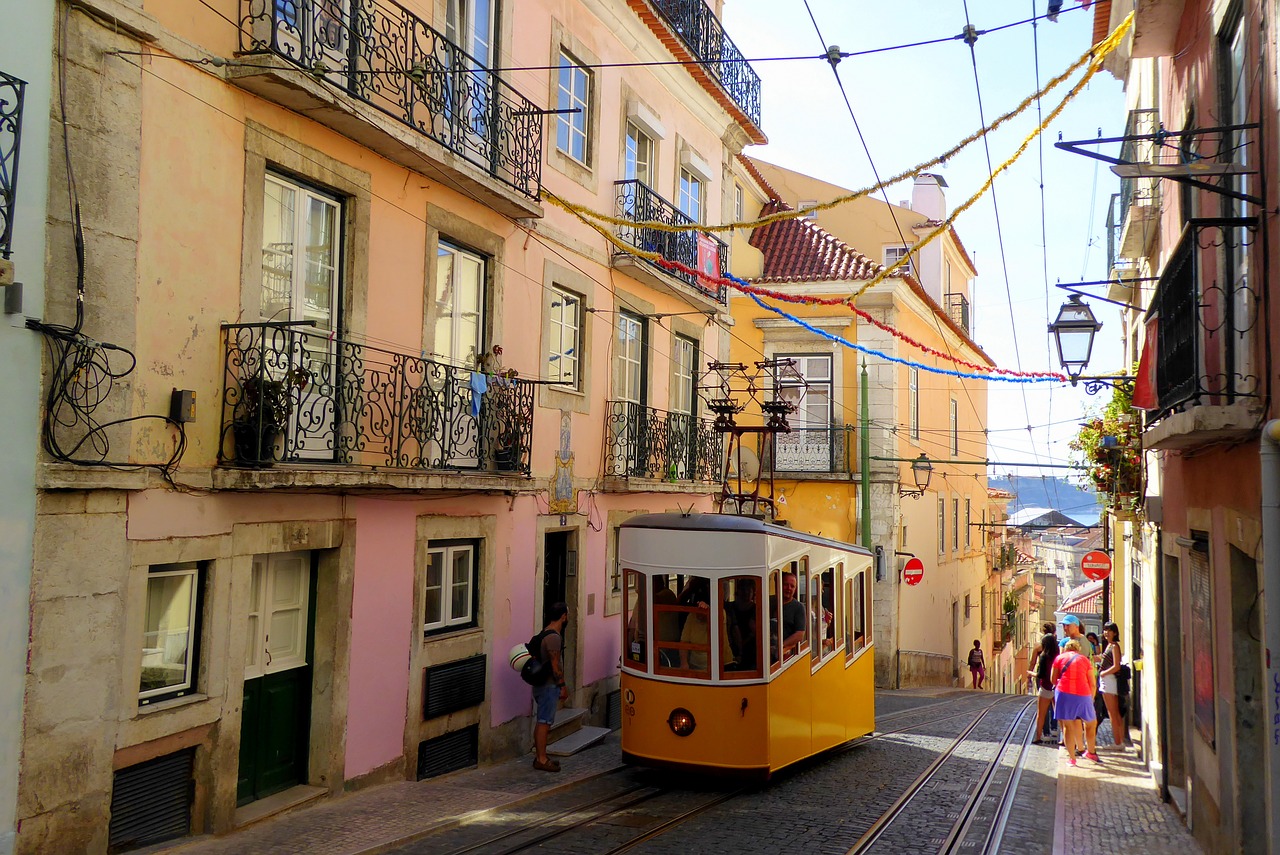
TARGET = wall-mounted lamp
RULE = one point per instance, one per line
(921, 471)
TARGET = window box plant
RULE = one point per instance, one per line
(262, 416)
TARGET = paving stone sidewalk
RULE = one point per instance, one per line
(384, 817)
(1114, 807)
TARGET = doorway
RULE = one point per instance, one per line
(1172, 670)
(560, 583)
(276, 714)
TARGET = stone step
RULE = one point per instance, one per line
(577, 741)
(568, 720)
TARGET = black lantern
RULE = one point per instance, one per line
(1073, 333)
(921, 471)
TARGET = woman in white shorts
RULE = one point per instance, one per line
(1108, 667)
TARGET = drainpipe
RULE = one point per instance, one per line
(1269, 452)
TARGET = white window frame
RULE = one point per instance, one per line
(628, 357)
(968, 509)
(299, 259)
(739, 203)
(639, 160)
(942, 525)
(955, 524)
(573, 130)
(564, 324)
(690, 194)
(684, 378)
(447, 296)
(259, 660)
(913, 402)
(894, 252)
(812, 216)
(447, 620)
(170, 571)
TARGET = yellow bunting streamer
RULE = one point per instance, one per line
(1093, 57)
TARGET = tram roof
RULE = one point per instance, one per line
(734, 523)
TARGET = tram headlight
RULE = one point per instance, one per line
(681, 722)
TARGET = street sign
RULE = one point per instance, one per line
(1096, 565)
(913, 571)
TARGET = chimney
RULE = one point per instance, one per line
(928, 196)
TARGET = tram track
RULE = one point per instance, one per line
(963, 821)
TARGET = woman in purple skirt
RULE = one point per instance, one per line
(1073, 691)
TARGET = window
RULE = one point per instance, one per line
(564, 331)
(459, 305)
(913, 402)
(1241, 308)
(892, 254)
(822, 613)
(808, 203)
(968, 510)
(984, 610)
(742, 622)
(954, 423)
(449, 589)
(739, 203)
(855, 612)
(808, 384)
(574, 94)
(942, 525)
(955, 524)
(684, 381)
(689, 197)
(170, 630)
(638, 156)
(300, 253)
(636, 650)
(968, 606)
(628, 359)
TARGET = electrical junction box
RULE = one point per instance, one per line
(182, 405)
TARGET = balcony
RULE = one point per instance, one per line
(295, 395)
(704, 36)
(11, 92)
(958, 310)
(1139, 211)
(385, 57)
(699, 250)
(1207, 360)
(813, 451)
(675, 447)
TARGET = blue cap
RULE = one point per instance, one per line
(1071, 619)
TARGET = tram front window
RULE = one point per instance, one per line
(667, 621)
(740, 652)
(695, 632)
(633, 606)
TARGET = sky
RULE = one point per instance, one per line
(911, 104)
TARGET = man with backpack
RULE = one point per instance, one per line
(547, 647)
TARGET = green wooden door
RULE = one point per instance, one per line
(276, 712)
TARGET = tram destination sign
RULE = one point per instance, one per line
(1096, 565)
(913, 571)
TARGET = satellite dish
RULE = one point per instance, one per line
(750, 464)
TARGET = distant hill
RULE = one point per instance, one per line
(1045, 492)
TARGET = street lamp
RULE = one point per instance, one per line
(921, 471)
(1073, 333)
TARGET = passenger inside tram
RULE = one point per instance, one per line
(794, 616)
(666, 619)
(741, 618)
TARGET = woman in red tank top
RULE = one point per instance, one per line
(1073, 699)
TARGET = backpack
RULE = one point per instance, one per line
(535, 672)
(1123, 676)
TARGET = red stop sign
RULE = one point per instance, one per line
(913, 571)
(1096, 565)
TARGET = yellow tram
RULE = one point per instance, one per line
(747, 645)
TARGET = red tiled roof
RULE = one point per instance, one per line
(799, 251)
(754, 171)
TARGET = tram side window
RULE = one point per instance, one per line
(795, 611)
(695, 631)
(856, 615)
(775, 621)
(822, 622)
(634, 593)
(667, 622)
(741, 621)
(846, 597)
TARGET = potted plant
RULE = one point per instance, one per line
(263, 413)
(1109, 445)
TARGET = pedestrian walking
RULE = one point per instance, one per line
(977, 665)
(546, 697)
(1072, 629)
(1073, 700)
(1108, 681)
(1043, 655)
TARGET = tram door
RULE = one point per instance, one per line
(560, 584)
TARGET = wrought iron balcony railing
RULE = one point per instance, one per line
(295, 395)
(648, 443)
(830, 450)
(958, 310)
(1139, 123)
(1207, 329)
(392, 60)
(638, 203)
(703, 33)
(11, 92)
